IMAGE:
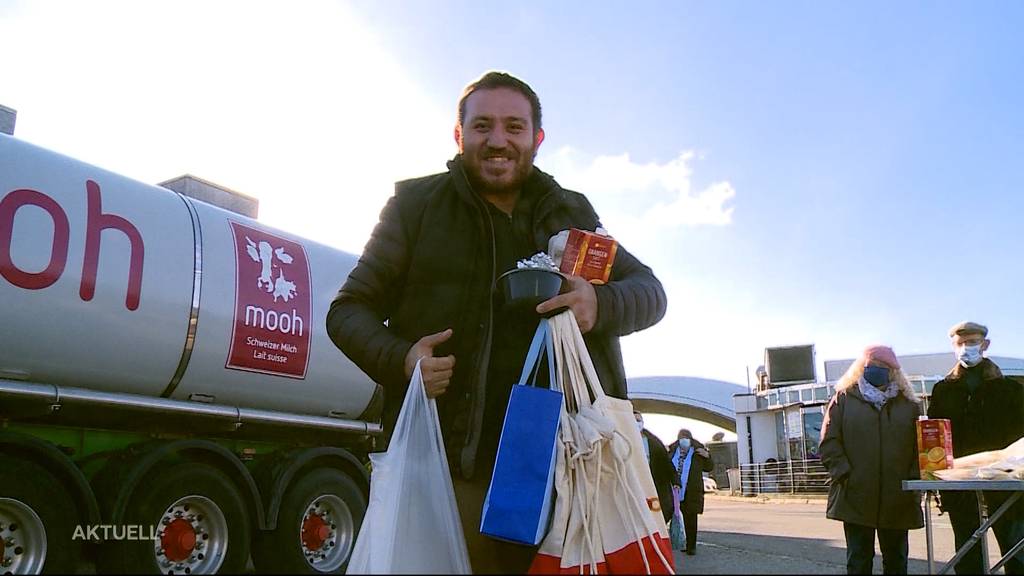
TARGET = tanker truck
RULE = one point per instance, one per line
(170, 401)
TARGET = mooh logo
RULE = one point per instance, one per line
(271, 259)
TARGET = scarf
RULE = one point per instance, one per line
(877, 396)
(684, 473)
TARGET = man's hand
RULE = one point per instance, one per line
(702, 452)
(581, 299)
(437, 372)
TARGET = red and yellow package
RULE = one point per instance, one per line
(934, 446)
(589, 255)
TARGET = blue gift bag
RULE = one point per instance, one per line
(520, 498)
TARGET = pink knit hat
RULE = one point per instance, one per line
(881, 354)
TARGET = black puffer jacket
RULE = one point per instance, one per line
(662, 472)
(430, 265)
(990, 419)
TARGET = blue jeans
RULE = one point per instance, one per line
(860, 549)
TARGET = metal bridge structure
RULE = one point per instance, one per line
(695, 398)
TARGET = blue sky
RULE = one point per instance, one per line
(830, 173)
(874, 149)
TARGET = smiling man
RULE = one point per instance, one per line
(423, 289)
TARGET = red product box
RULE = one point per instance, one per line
(589, 255)
(934, 446)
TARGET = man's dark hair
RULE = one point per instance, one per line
(492, 80)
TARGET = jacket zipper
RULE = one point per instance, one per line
(472, 442)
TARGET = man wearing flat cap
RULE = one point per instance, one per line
(986, 412)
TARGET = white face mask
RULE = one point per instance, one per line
(640, 425)
(684, 444)
(969, 355)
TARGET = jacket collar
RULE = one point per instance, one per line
(989, 371)
(549, 194)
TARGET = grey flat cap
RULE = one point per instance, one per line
(965, 328)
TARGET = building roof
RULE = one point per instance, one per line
(926, 365)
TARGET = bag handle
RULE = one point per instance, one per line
(429, 406)
(579, 360)
(531, 368)
(576, 362)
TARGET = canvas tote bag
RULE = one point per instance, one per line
(603, 521)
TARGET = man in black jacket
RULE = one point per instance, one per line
(662, 472)
(986, 412)
(423, 289)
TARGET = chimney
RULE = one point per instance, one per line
(211, 193)
(7, 118)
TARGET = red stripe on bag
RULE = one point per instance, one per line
(624, 561)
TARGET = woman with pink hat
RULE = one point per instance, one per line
(869, 446)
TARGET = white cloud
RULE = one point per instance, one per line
(646, 197)
(639, 204)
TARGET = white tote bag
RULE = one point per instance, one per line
(603, 520)
(412, 522)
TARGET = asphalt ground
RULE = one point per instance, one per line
(739, 535)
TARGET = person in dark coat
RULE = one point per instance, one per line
(661, 467)
(690, 459)
(869, 447)
(422, 288)
(985, 412)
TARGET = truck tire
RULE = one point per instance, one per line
(39, 517)
(317, 525)
(200, 520)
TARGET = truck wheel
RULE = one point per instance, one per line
(199, 519)
(37, 520)
(316, 527)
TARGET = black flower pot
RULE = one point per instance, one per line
(521, 290)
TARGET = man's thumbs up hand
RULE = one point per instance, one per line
(437, 372)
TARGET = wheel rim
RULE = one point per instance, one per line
(193, 537)
(22, 538)
(327, 533)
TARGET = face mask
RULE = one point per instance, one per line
(640, 425)
(684, 444)
(877, 376)
(969, 355)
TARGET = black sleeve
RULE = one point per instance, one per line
(355, 321)
(709, 463)
(915, 465)
(675, 471)
(936, 404)
(661, 462)
(1015, 405)
(833, 452)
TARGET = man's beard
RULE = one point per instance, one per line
(474, 172)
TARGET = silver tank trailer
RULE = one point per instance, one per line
(117, 286)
